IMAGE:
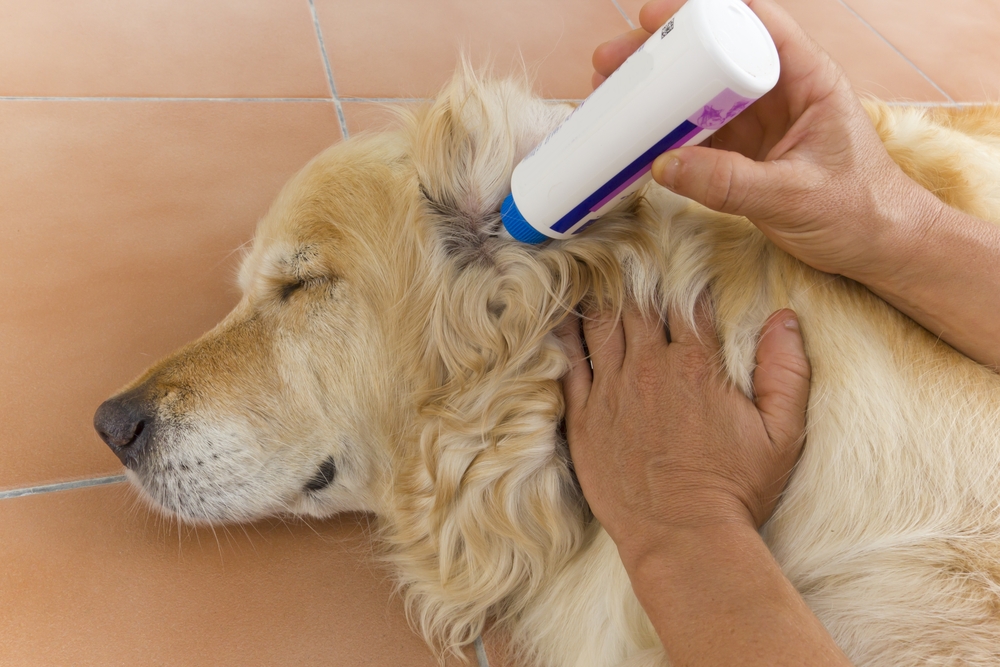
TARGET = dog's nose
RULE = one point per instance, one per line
(124, 424)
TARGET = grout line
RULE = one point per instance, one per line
(406, 100)
(622, 12)
(893, 47)
(329, 71)
(385, 100)
(481, 653)
(54, 98)
(321, 100)
(61, 486)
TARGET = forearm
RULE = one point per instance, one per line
(716, 596)
(942, 268)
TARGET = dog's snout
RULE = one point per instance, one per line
(124, 424)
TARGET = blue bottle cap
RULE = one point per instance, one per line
(515, 223)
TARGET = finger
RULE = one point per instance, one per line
(577, 381)
(597, 79)
(697, 329)
(781, 379)
(611, 54)
(644, 331)
(605, 339)
(721, 180)
(656, 12)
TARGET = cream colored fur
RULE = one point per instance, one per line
(390, 324)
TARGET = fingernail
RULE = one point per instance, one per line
(665, 169)
(792, 323)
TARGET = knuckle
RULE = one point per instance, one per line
(693, 365)
(794, 364)
(720, 187)
(646, 380)
(729, 186)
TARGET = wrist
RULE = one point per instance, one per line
(723, 579)
(682, 526)
(939, 267)
(686, 549)
(901, 219)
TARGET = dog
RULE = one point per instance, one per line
(394, 353)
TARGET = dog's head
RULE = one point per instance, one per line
(287, 405)
(393, 352)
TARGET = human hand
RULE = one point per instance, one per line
(661, 440)
(803, 163)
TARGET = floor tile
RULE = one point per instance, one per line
(957, 44)
(118, 226)
(373, 116)
(631, 9)
(873, 66)
(90, 578)
(185, 48)
(400, 48)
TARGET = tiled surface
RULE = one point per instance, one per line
(160, 48)
(873, 66)
(956, 43)
(119, 224)
(372, 116)
(90, 579)
(401, 48)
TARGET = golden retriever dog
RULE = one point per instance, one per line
(393, 353)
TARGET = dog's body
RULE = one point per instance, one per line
(394, 353)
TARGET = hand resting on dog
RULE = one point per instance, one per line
(680, 467)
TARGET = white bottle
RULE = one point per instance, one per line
(703, 67)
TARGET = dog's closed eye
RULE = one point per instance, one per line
(290, 288)
(323, 477)
(286, 290)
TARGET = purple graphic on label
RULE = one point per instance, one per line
(720, 110)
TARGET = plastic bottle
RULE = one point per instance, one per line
(692, 76)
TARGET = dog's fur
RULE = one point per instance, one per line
(390, 325)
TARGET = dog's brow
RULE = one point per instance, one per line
(295, 264)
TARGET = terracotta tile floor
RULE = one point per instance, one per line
(139, 143)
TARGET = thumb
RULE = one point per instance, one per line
(781, 380)
(722, 180)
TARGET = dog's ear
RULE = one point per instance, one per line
(465, 146)
(487, 507)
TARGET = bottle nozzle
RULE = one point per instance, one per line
(516, 225)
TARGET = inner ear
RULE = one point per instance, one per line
(469, 236)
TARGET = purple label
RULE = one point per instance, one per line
(720, 110)
(642, 172)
